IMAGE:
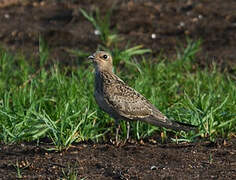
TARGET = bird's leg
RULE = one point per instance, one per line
(128, 130)
(127, 133)
(117, 131)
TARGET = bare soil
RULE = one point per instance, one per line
(131, 161)
(63, 27)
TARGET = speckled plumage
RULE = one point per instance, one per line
(121, 101)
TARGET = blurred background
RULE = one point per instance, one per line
(159, 25)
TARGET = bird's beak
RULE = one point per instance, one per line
(91, 57)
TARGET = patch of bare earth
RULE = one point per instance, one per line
(131, 161)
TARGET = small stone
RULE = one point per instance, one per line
(35, 4)
(7, 16)
(153, 167)
(97, 32)
(153, 36)
(181, 24)
(195, 19)
(42, 3)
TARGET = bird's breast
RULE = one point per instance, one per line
(99, 97)
(102, 103)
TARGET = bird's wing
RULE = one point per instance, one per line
(129, 103)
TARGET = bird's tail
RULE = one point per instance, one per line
(182, 126)
(170, 124)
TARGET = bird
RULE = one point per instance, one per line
(122, 102)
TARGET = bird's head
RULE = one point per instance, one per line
(102, 61)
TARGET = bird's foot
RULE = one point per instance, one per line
(117, 143)
(125, 142)
(120, 143)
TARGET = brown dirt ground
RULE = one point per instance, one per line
(131, 161)
(63, 27)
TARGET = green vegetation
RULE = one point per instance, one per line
(38, 101)
(70, 173)
(58, 103)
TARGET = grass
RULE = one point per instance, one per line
(70, 173)
(37, 101)
(58, 103)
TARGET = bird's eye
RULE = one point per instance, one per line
(105, 56)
